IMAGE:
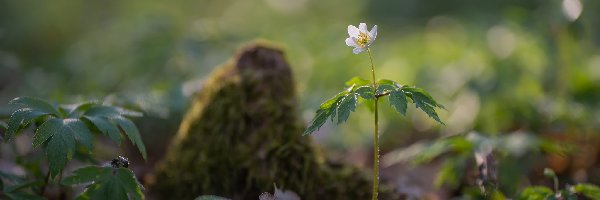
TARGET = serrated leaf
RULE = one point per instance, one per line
(318, 121)
(35, 104)
(80, 109)
(536, 193)
(423, 95)
(588, 190)
(106, 127)
(106, 183)
(59, 151)
(398, 101)
(385, 85)
(424, 102)
(347, 105)
(129, 129)
(357, 81)
(366, 92)
(61, 135)
(20, 119)
(111, 111)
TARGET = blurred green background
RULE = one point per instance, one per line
(499, 66)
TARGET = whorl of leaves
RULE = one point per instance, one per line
(106, 183)
(61, 128)
(344, 103)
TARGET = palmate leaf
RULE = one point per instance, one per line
(106, 183)
(20, 119)
(35, 104)
(110, 121)
(132, 133)
(346, 106)
(60, 136)
(423, 101)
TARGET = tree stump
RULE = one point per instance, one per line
(242, 134)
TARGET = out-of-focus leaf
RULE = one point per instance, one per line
(536, 193)
(588, 190)
(129, 129)
(106, 183)
(450, 173)
(35, 104)
(357, 81)
(210, 197)
(23, 196)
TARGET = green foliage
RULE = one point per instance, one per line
(536, 193)
(588, 190)
(62, 128)
(344, 103)
(106, 183)
(17, 188)
(210, 197)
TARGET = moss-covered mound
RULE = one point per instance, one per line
(242, 134)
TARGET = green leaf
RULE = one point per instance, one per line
(21, 119)
(106, 127)
(423, 101)
(106, 183)
(326, 110)
(357, 81)
(80, 109)
(385, 85)
(347, 105)
(211, 197)
(588, 190)
(35, 104)
(318, 121)
(23, 185)
(366, 92)
(61, 135)
(110, 111)
(536, 193)
(23, 196)
(129, 129)
(398, 101)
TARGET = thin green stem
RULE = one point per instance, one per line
(45, 183)
(376, 135)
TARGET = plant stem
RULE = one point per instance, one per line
(376, 135)
(45, 183)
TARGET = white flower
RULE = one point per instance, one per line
(360, 38)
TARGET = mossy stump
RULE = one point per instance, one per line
(243, 134)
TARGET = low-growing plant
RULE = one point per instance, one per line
(66, 131)
(370, 92)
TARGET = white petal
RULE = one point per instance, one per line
(357, 50)
(352, 31)
(373, 33)
(362, 27)
(350, 42)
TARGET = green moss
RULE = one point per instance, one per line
(242, 134)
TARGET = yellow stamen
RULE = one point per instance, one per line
(362, 39)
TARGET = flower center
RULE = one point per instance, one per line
(362, 39)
